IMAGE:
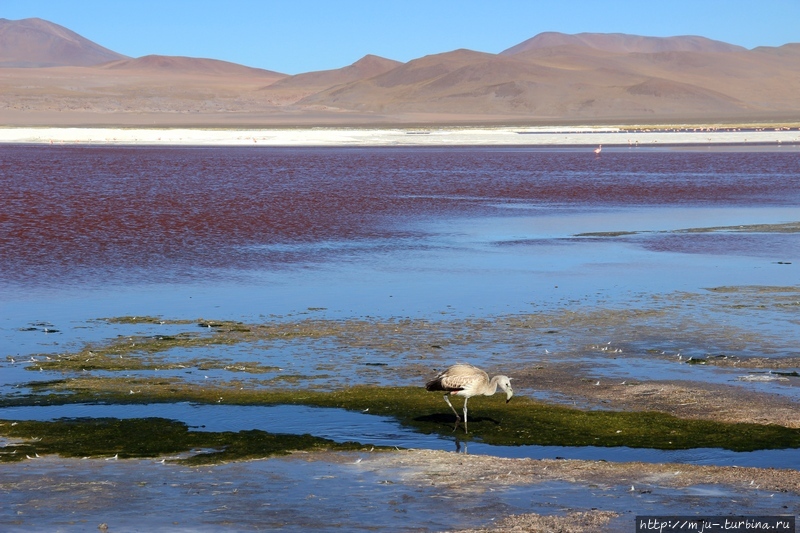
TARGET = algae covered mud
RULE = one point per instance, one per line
(252, 327)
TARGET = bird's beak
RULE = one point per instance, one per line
(509, 394)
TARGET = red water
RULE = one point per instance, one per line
(110, 213)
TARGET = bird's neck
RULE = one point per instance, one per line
(492, 386)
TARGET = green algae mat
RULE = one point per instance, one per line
(524, 421)
(149, 437)
(126, 370)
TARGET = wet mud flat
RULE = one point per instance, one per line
(408, 490)
(650, 374)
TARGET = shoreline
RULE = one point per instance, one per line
(401, 136)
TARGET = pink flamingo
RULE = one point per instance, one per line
(598, 149)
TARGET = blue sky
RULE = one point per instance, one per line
(293, 36)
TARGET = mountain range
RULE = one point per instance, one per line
(50, 75)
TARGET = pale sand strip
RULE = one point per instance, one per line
(392, 137)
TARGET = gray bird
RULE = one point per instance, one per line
(468, 381)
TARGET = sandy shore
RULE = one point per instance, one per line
(445, 136)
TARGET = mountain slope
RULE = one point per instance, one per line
(366, 67)
(177, 65)
(35, 42)
(620, 43)
(591, 76)
(294, 88)
(550, 78)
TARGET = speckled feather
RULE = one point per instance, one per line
(461, 377)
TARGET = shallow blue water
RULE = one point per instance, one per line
(343, 426)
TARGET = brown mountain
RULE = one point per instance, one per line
(294, 88)
(366, 67)
(785, 50)
(441, 83)
(38, 43)
(620, 43)
(84, 83)
(179, 65)
(596, 77)
(551, 78)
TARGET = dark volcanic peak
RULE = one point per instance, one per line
(35, 42)
(187, 65)
(621, 43)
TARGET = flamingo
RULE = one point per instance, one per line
(598, 149)
(468, 381)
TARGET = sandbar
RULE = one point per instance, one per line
(430, 136)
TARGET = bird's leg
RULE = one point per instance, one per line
(451, 407)
(458, 418)
(465, 414)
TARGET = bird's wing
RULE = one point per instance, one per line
(459, 377)
(436, 384)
